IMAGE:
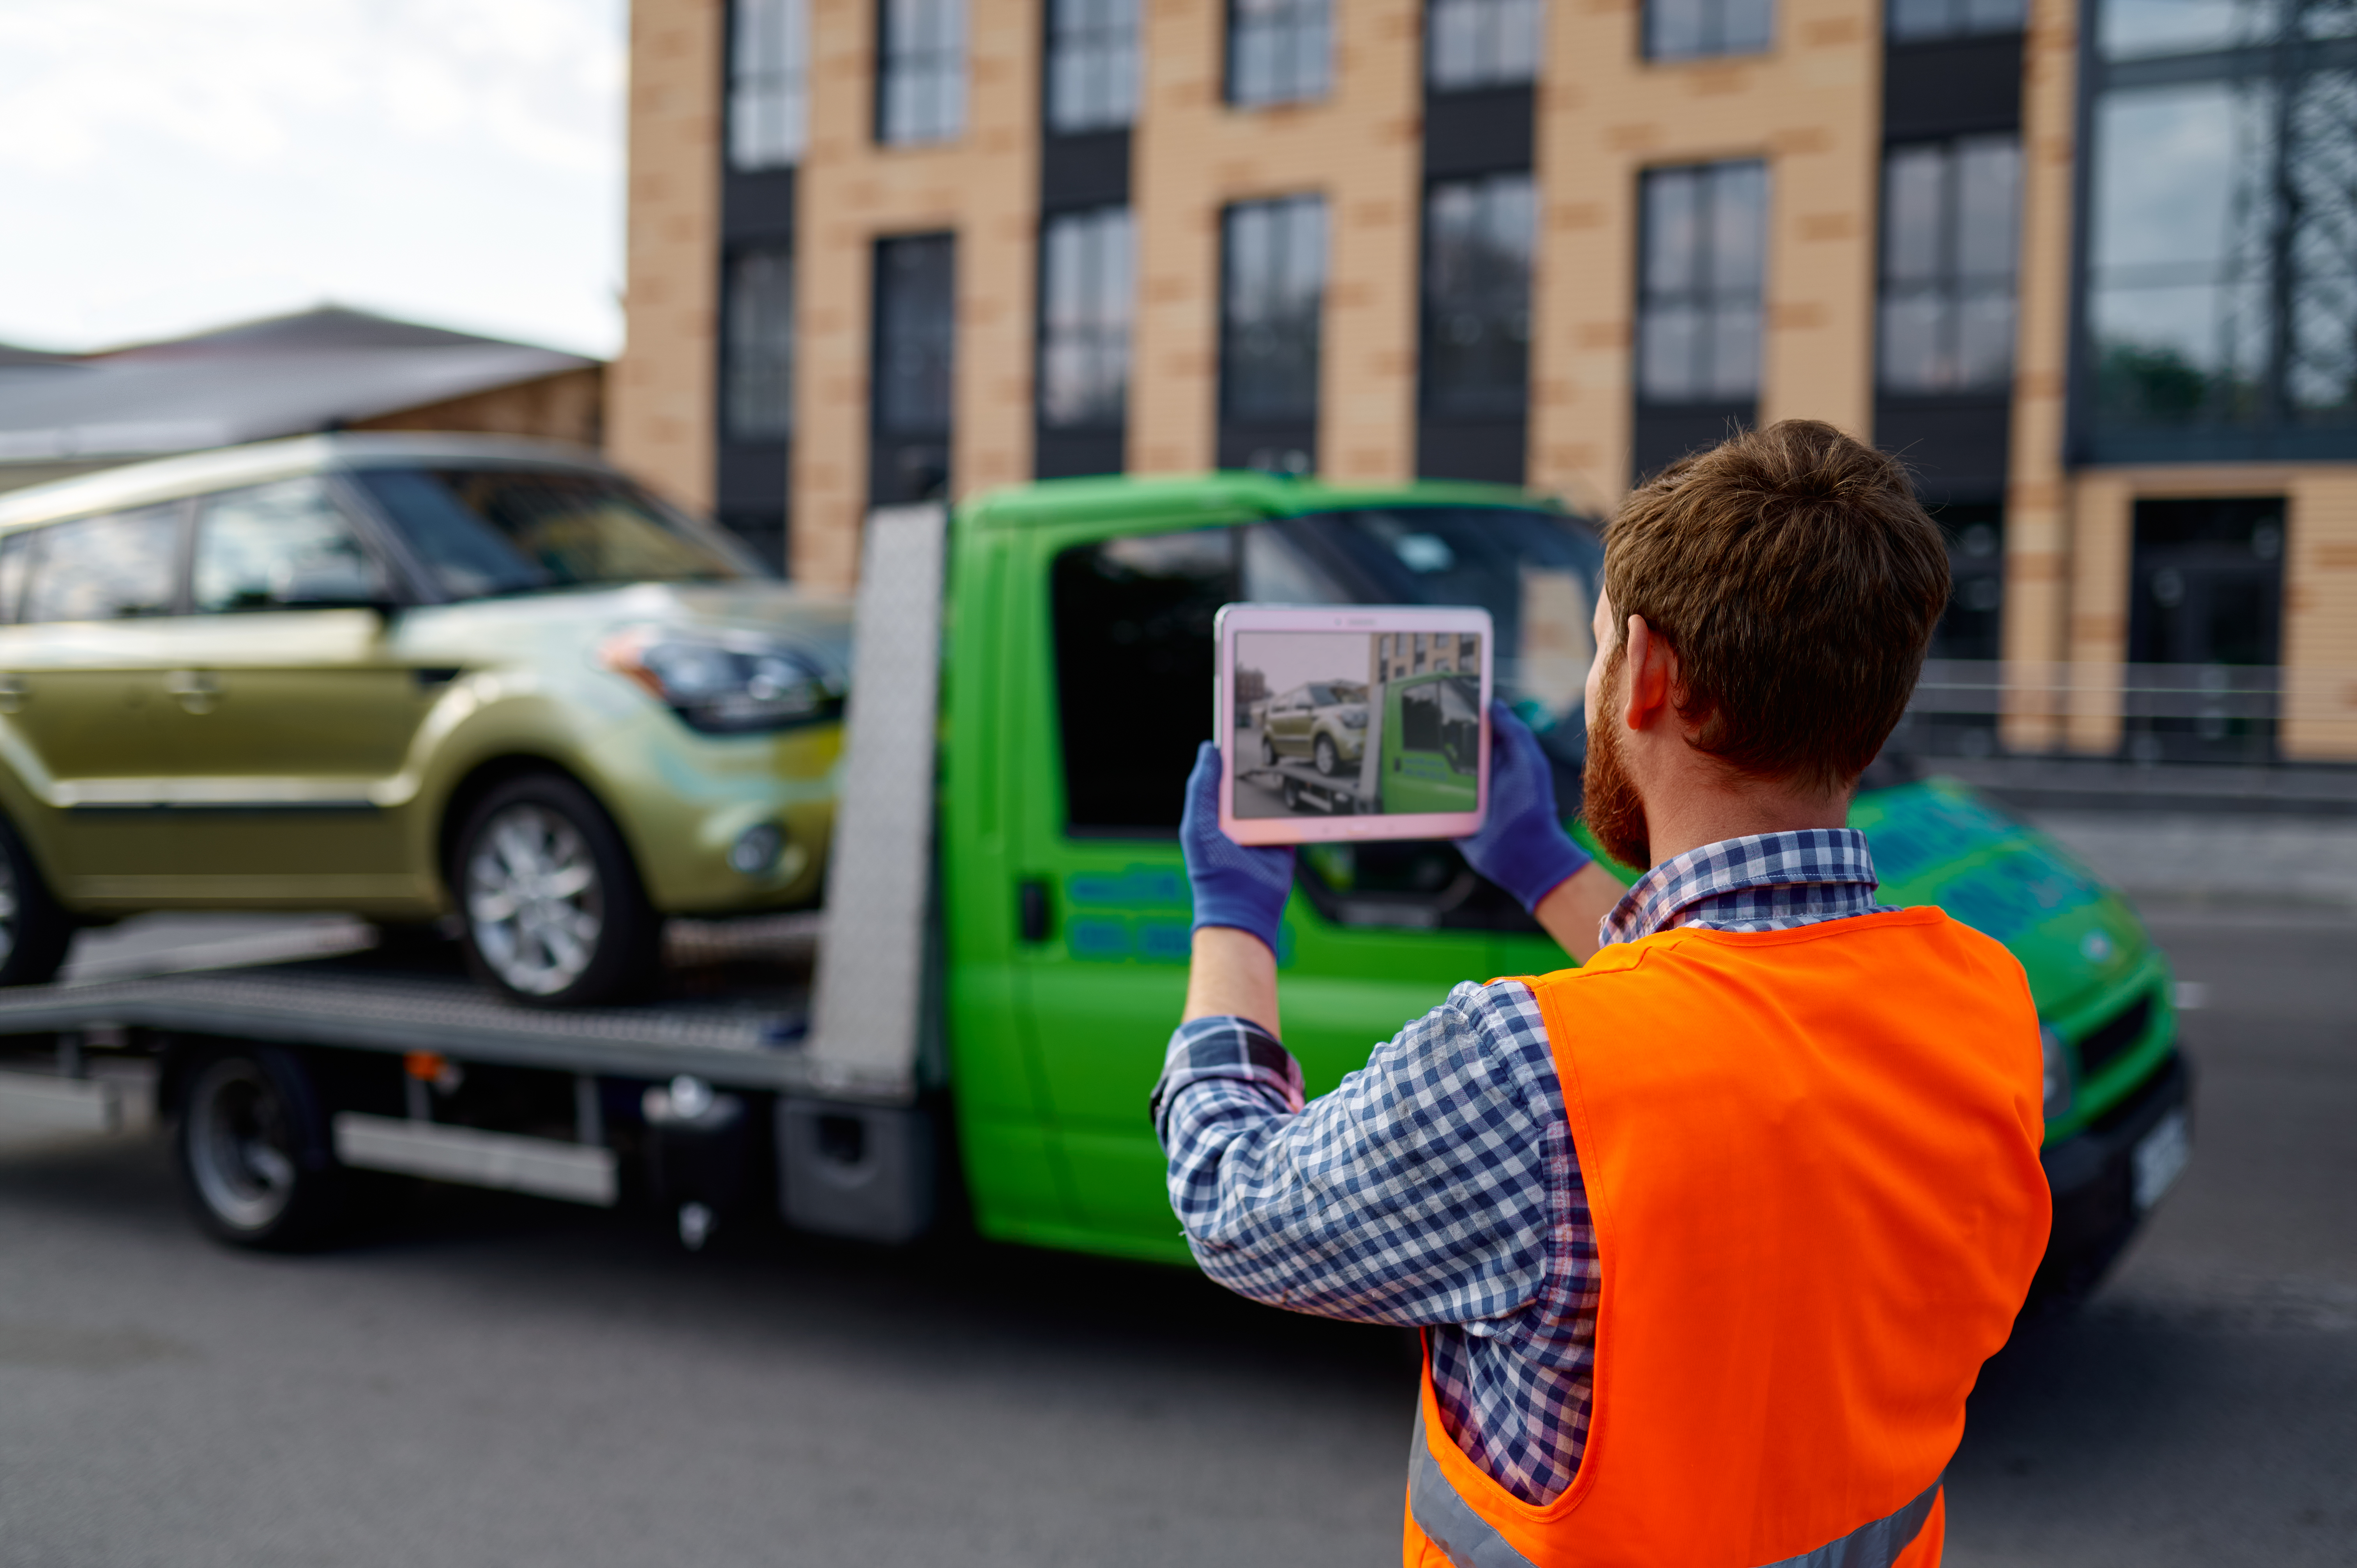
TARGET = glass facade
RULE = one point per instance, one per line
(1951, 245)
(1477, 296)
(1694, 30)
(758, 347)
(2220, 306)
(1917, 21)
(768, 83)
(920, 85)
(1701, 274)
(1279, 51)
(1092, 65)
(1085, 292)
(1273, 294)
(1481, 43)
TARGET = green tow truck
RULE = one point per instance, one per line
(1005, 942)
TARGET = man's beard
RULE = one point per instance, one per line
(1612, 807)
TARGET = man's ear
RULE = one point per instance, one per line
(1650, 667)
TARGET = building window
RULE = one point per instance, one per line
(1279, 51)
(1695, 30)
(1919, 21)
(1699, 303)
(1084, 311)
(757, 352)
(1092, 65)
(768, 83)
(1476, 296)
(916, 340)
(1950, 228)
(1273, 293)
(1481, 43)
(2221, 295)
(920, 87)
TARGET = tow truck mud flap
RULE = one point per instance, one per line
(856, 1170)
(59, 1104)
(577, 1172)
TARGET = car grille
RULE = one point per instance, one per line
(2102, 1044)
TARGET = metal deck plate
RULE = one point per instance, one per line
(751, 1042)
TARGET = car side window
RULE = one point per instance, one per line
(108, 567)
(1133, 663)
(280, 547)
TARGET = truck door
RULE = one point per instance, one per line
(1118, 696)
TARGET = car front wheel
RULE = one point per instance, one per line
(554, 912)
(1267, 752)
(1330, 761)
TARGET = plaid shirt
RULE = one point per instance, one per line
(1437, 1186)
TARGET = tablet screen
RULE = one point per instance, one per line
(1349, 724)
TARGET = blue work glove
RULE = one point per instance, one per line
(1522, 845)
(1235, 884)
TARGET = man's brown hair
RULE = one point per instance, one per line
(1798, 580)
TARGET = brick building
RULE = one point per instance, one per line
(2095, 276)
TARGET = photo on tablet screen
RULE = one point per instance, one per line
(1345, 723)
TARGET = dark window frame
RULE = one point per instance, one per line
(2278, 435)
(1054, 39)
(1293, 21)
(1718, 44)
(909, 444)
(944, 125)
(794, 85)
(1493, 17)
(1952, 288)
(1270, 437)
(1087, 445)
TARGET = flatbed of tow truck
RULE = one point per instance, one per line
(1301, 788)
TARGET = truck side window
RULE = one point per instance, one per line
(107, 567)
(1133, 663)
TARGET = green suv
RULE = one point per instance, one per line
(407, 678)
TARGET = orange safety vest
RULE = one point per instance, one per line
(1812, 1159)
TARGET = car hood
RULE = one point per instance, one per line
(1936, 841)
(540, 624)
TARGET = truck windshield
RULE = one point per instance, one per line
(1534, 572)
(483, 532)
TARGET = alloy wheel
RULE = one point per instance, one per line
(534, 902)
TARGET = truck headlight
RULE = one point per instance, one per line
(2058, 1070)
(727, 683)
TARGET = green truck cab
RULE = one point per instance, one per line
(1076, 683)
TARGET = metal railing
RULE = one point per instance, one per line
(2151, 712)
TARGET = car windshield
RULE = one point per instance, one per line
(1333, 696)
(491, 531)
(1534, 572)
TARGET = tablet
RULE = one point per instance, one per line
(1351, 722)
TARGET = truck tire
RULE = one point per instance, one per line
(35, 930)
(554, 912)
(253, 1150)
(1329, 759)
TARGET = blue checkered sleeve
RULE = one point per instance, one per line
(1435, 1187)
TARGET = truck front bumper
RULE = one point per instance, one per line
(2107, 1179)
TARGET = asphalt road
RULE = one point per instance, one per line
(491, 1380)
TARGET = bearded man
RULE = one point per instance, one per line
(1709, 1236)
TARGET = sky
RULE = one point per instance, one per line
(1287, 659)
(167, 166)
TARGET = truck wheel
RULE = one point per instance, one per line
(554, 911)
(1267, 752)
(35, 932)
(1330, 761)
(252, 1152)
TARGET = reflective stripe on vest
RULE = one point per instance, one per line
(1451, 1523)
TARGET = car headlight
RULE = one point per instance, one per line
(727, 684)
(1354, 718)
(2057, 1057)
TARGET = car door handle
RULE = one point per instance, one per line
(197, 690)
